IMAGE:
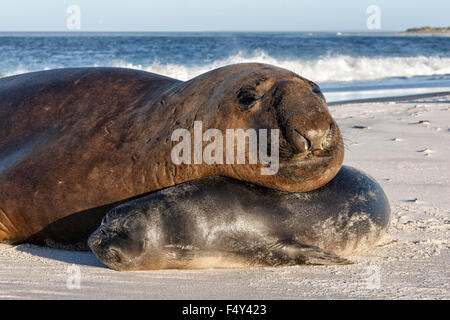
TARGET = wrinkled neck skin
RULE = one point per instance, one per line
(250, 96)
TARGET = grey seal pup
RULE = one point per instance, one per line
(219, 222)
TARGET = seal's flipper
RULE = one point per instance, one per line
(294, 253)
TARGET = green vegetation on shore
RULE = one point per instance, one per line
(429, 30)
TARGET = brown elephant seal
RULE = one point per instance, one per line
(218, 222)
(77, 142)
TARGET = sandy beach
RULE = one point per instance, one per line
(405, 145)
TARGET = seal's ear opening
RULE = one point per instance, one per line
(318, 92)
(314, 87)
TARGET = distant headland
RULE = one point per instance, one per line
(427, 30)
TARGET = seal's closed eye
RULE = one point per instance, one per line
(247, 97)
(119, 235)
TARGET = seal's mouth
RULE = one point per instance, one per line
(311, 157)
(306, 160)
(112, 256)
(309, 170)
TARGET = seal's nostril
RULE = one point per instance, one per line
(301, 143)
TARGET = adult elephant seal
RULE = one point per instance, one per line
(75, 143)
(222, 222)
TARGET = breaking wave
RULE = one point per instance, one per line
(322, 69)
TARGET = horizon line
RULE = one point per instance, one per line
(212, 31)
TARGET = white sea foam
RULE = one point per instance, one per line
(331, 68)
(322, 69)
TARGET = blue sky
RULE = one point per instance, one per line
(221, 15)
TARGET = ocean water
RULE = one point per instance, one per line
(346, 66)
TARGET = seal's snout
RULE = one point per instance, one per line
(303, 115)
(120, 239)
(105, 249)
(311, 140)
(96, 241)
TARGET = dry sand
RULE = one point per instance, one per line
(404, 145)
